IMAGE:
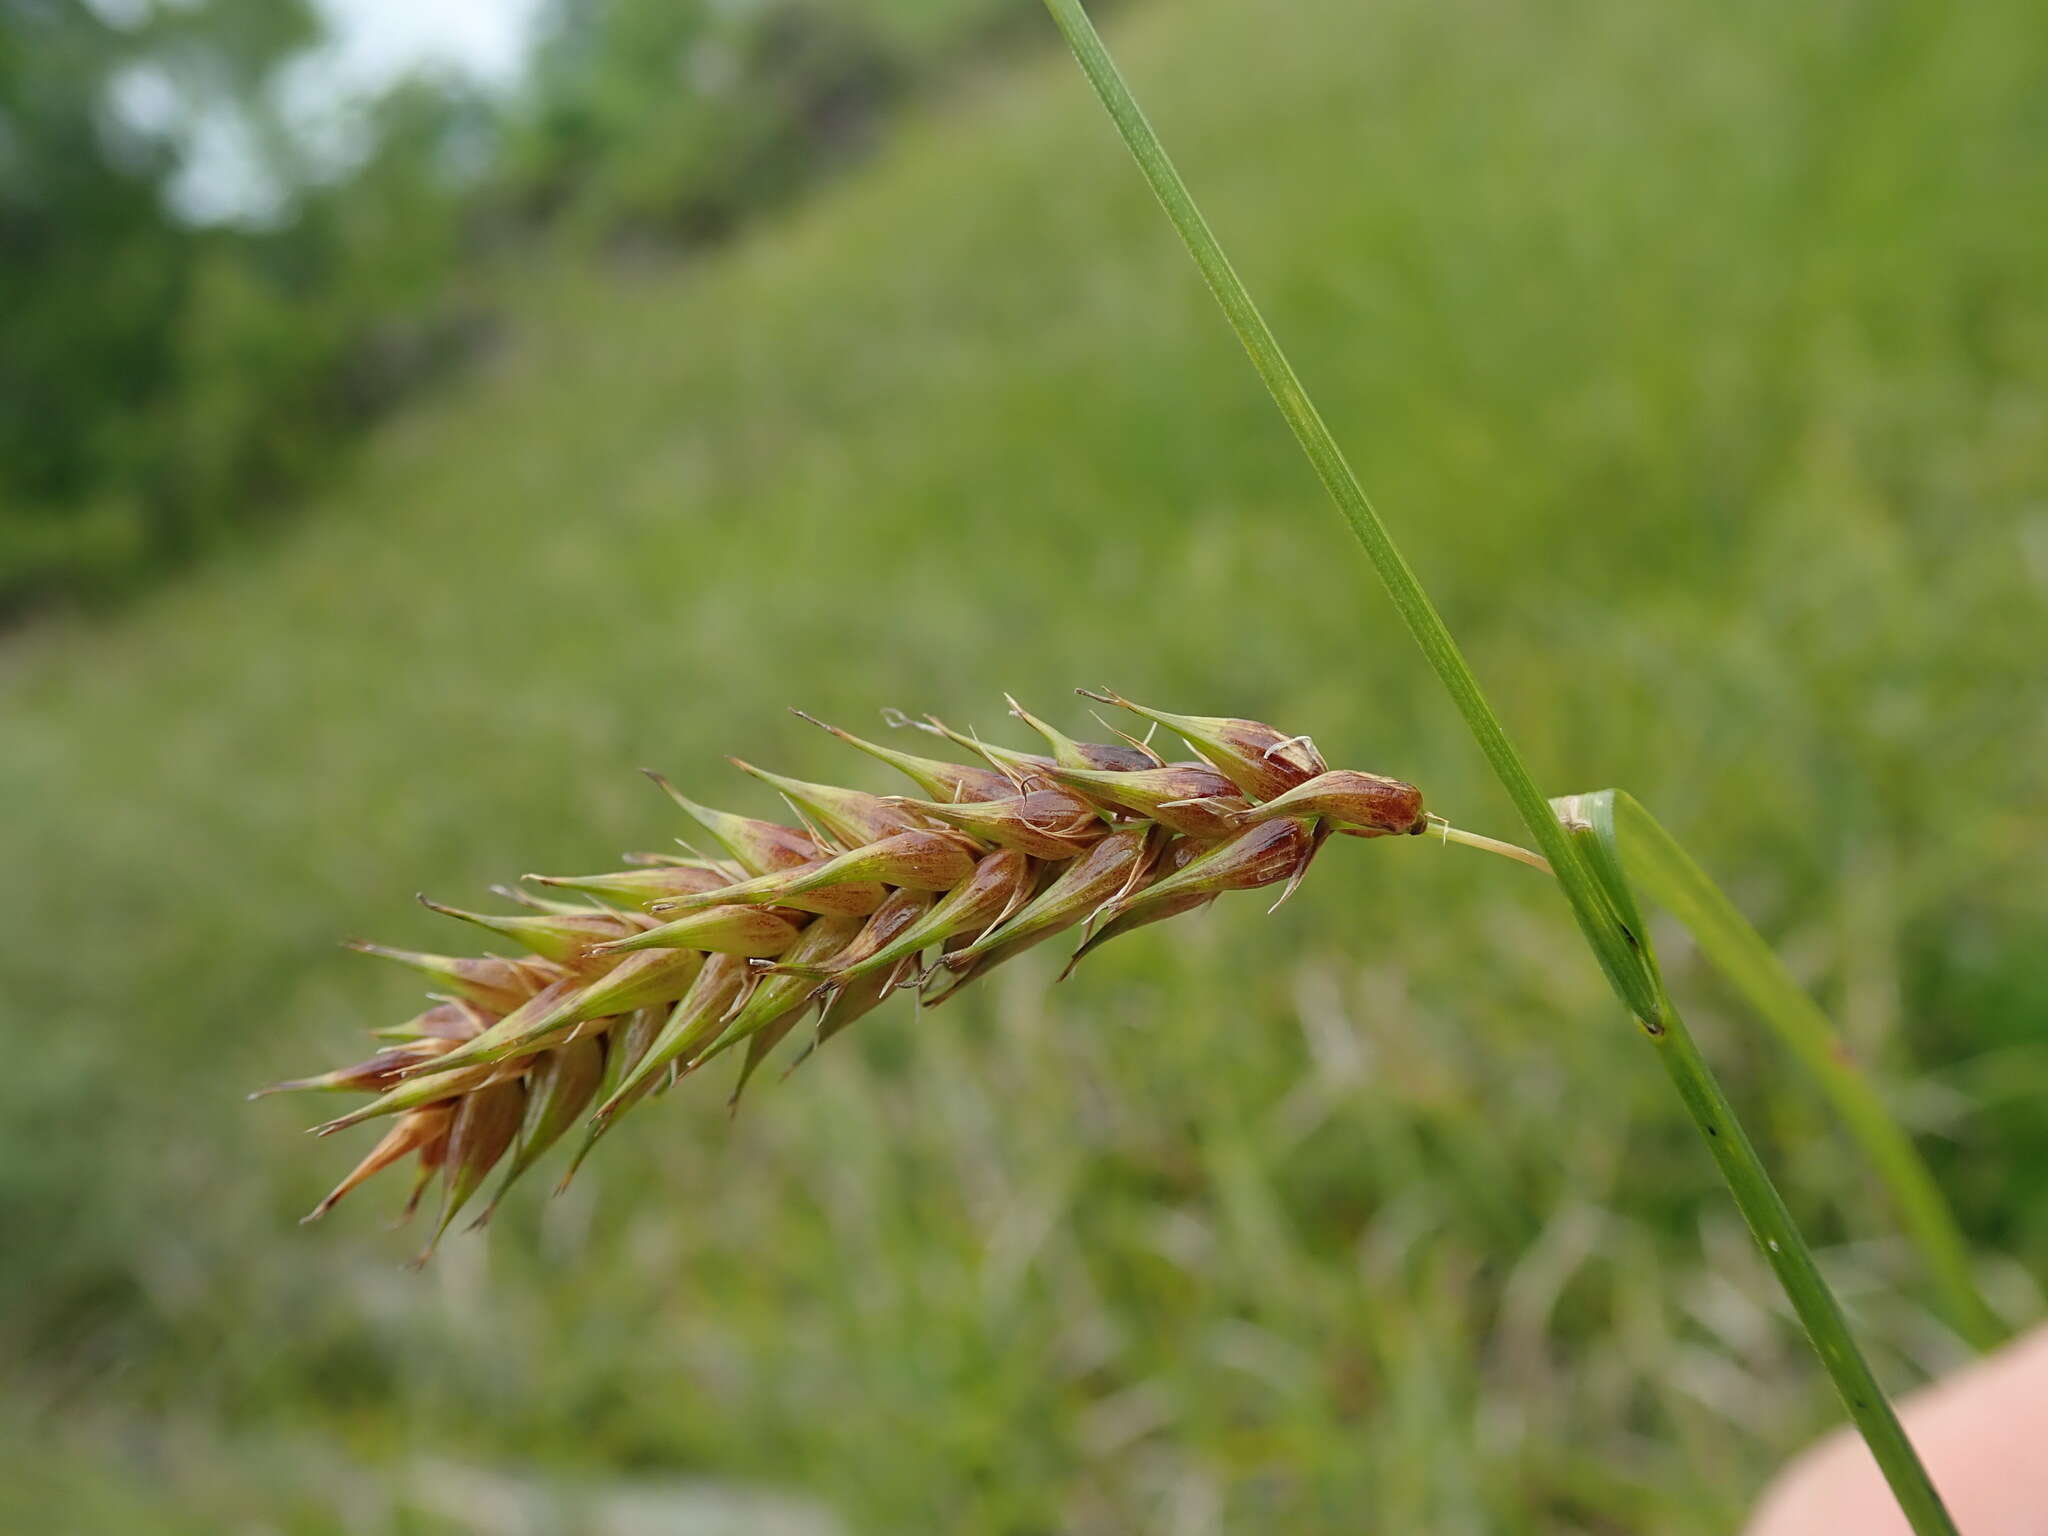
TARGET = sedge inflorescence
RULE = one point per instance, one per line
(635, 978)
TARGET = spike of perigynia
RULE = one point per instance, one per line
(1259, 759)
(485, 1123)
(412, 1133)
(1105, 757)
(753, 932)
(662, 965)
(1362, 801)
(561, 1084)
(756, 846)
(937, 778)
(847, 816)
(488, 982)
(562, 939)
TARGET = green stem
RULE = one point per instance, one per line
(1444, 832)
(1612, 937)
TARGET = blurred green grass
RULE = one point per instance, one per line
(1699, 357)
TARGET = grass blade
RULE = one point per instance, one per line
(1657, 863)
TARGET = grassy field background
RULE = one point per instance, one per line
(1698, 354)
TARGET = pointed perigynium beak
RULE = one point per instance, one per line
(1259, 759)
(638, 887)
(847, 816)
(487, 981)
(940, 780)
(380, 1072)
(451, 1021)
(416, 1131)
(756, 846)
(1107, 757)
(645, 974)
(564, 940)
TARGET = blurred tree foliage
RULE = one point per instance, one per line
(168, 379)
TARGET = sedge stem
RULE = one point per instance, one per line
(1443, 831)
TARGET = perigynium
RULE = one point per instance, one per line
(631, 979)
